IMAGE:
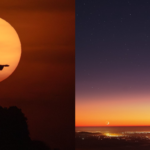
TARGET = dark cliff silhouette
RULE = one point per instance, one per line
(2, 66)
(14, 133)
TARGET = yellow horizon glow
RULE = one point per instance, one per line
(10, 49)
(129, 110)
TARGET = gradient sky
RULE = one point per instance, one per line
(112, 62)
(43, 83)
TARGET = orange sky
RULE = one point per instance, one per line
(43, 83)
(118, 110)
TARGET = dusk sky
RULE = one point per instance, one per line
(43, 85)
(112, 62)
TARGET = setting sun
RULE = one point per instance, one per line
(10, 49)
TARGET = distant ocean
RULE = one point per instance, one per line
(113, 129)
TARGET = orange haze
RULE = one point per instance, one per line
(129, 110)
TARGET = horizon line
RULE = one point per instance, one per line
(118, 126)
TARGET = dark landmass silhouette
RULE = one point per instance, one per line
(14, 133)
(86, 141)
(2, 66)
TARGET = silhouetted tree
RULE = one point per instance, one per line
(39, 145)
(14, 133)
(13, 127)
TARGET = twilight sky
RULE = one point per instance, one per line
(43, 83)
(112, 62)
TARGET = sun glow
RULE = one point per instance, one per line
(10, 49)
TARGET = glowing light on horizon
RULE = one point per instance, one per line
(113, 135)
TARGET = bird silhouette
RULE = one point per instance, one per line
(2, 66)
